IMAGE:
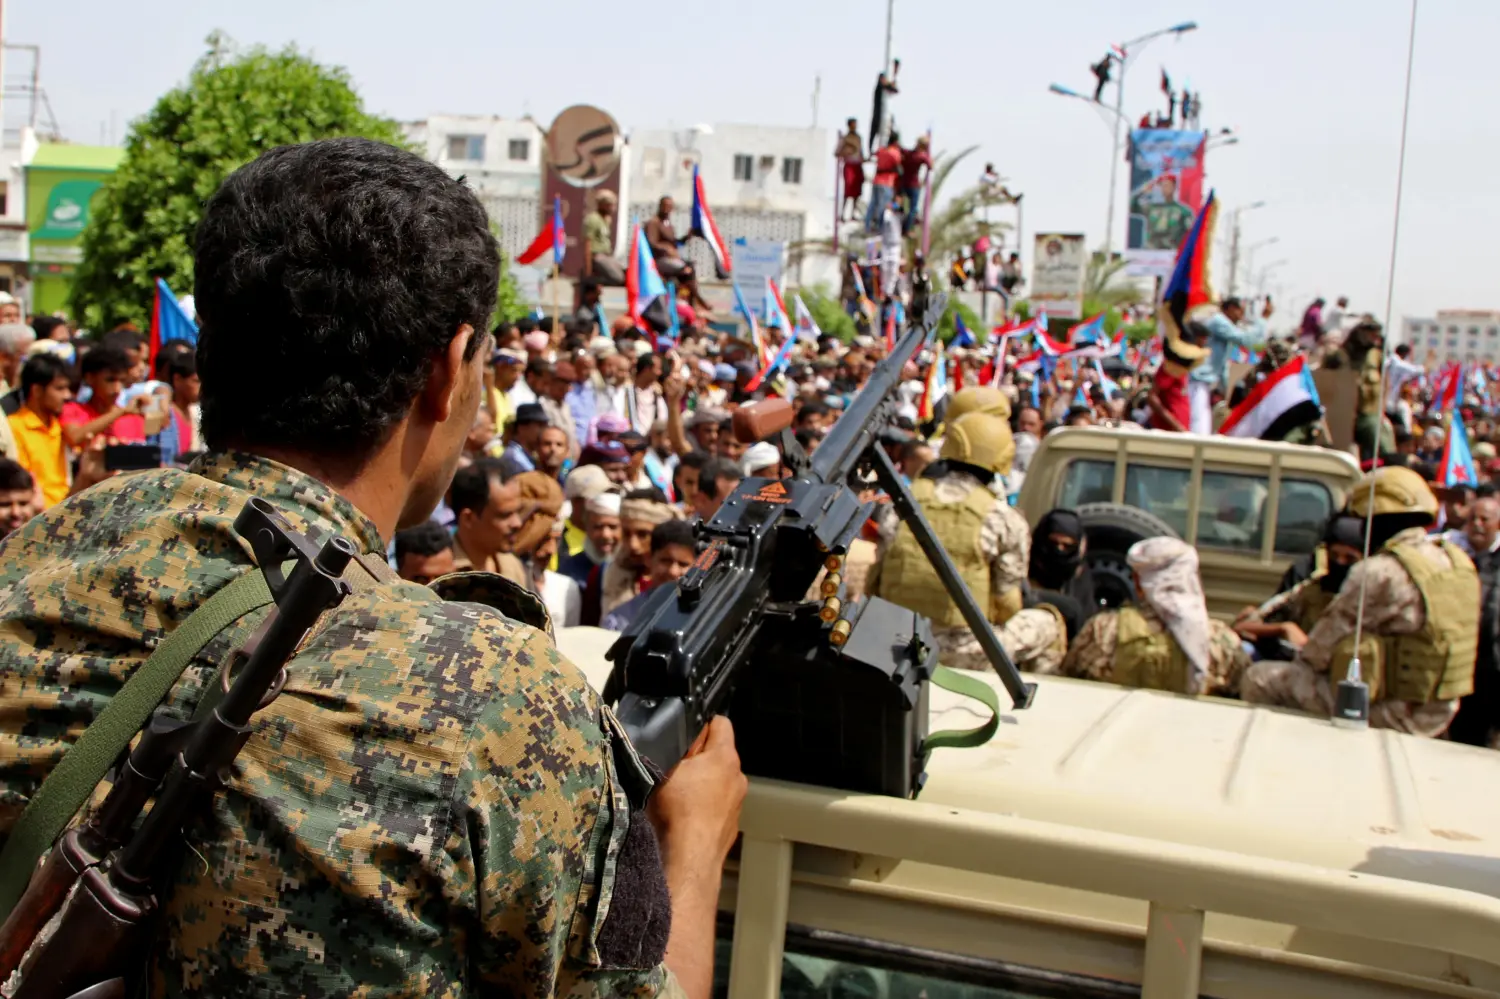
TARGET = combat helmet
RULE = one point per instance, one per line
(980, 439)
(1397, 490)
(980, 399)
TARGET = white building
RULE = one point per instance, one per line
(764, 182)
(1466, 335)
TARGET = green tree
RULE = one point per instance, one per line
(826, 311)
(234, 106)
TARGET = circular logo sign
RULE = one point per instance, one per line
(583, 145)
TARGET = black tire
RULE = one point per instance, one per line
(1111, 528)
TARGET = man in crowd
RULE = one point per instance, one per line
(1478, 719)
(357, 440)
(520, 453)
(661, 236)
(17, 497)
(179, 369)
(1166, 641)
(1420, 619)
(703, 426)
(672, 554)
(599, 231)
(1226, 330)
(913, 162)
(553, 400)
(15, 340)
(508, 363)
(552, 452)
(424, 552)
(645, 403)
(610, 456)
(37, 427)
(851, 158)
(601, 539)
(628, 571)
(487, 513)
(105, 371)
(883, 185)
(719, 478)
(686, 475)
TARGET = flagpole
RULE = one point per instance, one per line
(927, 205)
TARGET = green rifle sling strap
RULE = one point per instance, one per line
(972, 687)
(72, 782)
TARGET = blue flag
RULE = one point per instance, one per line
(961, 335)
(1458, 463)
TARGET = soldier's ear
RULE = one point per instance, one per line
(452, 371)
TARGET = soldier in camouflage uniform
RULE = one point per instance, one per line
(437, 804)
(1167, 641)
(1421, 620)
(989, 542)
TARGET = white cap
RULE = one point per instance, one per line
(758, 456)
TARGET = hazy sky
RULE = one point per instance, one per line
(1313, 87)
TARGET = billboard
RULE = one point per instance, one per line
(1057, 272)
(754, 261)
(62, 186)
(1166, 191)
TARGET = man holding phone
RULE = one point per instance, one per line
(104, 371)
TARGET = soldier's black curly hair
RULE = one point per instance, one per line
(328, 276)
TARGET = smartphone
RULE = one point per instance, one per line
(131, 457)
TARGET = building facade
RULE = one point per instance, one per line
(1464, 335)
(62, 182)
(763, 182)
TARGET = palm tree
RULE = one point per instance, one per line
(1106, 286)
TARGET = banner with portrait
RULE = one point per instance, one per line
(1058, 268)
(1166, 191)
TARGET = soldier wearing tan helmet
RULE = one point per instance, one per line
(1421, 620)
(980, 399)
(989, 543)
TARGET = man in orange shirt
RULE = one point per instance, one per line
(37, 425)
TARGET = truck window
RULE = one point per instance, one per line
(1231, 513)
(819, 964)
(1160, 491)
(1087, 482)
(1305, 509)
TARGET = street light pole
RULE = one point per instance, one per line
(1127, 52)
(890, 16)
(1250, 253)
(1234, 242)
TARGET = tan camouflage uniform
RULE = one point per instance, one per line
(1393, 606)
(436, 805)
(1005, 539)
(1092, 653)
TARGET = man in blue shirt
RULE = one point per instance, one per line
(1227, 329)
(520, 454)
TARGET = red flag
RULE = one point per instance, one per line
(890, 329)
(544, 242)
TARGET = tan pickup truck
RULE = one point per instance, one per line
(1250, 507)
(1111, 842)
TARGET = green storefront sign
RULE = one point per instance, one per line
(62, 182)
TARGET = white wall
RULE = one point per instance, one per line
(496, 174)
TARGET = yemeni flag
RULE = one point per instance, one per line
(1284, 401)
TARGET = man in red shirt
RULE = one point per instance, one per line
(1168, 400)
(104, 369)
(883, 186)
(912, 162)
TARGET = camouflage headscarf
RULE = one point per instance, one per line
(1168, 572)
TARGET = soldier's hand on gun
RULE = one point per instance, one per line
(696, 812)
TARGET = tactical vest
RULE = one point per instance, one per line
(1057, 649)
(1435, 663)
(906, 577)
(1148, 657)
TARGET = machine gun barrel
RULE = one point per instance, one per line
(859, 425)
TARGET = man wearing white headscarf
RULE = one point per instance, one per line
(1167, 641)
